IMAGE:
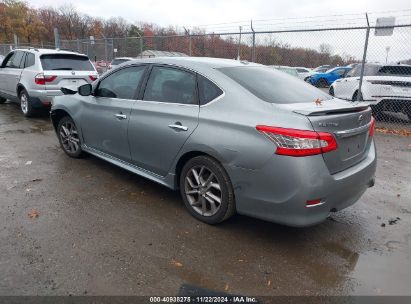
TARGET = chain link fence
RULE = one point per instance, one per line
(296, 49)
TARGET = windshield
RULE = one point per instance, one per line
(66, 62)
(273, 86)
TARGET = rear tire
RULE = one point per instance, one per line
(331, 91)
(69, 137)
(2, 100)
(25, 104)
(322, 83)
(206, 190)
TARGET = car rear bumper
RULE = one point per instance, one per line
(43, 98)
(280, 196)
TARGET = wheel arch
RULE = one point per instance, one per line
(355, 95)
(183, 159)
(20, 87)
(56, 115)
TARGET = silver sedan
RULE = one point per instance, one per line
(231, 136)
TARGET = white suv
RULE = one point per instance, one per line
(385, 87)
(33, 77)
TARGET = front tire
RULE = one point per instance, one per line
(331, 91)
(69, 137)
(355, 97)
(206, 190)
(2, 100)
(25, 104)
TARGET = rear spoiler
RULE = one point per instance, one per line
(319, 112)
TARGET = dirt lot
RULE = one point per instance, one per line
(86, 227)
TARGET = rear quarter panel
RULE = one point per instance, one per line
(227, 127)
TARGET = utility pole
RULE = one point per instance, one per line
(239, 44)
(364, 57)
(56, 38)
(16, 41)
(253, 49)
(189, 40)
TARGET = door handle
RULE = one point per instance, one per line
(120, 116)
(178, 126)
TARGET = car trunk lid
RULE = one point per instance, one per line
(348, 122)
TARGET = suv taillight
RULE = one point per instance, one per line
(297, 143)
(42, 80)
(92, 77)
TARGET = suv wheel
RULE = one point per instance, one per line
(69, 138)
(206, 190)
(331, 91)
(2, 100)
(25, 104)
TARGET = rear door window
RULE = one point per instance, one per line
(274, 86)
(171, 85)
(30, 60)
(66, 62)
(208, 91)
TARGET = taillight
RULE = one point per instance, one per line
(93, 77)
(296, 143)
(372, 127)
(42, 80)
(313, 203)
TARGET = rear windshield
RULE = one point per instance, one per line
(395, 70)
(274, 86)
(66, 62)
(119, 61)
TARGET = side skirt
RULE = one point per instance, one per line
(165, 181)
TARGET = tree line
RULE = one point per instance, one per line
(35, 26)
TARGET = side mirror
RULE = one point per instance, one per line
(85, 90)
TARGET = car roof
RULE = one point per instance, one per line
(195, 62)
(49, 51)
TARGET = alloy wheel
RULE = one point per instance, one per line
(203, 190)
(69, 137)
(24, 103)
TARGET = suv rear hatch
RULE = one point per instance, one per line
(349, 123)
(67, 70)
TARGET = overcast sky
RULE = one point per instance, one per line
(199, 12)
(278, 15)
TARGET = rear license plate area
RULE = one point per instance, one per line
(352, 146)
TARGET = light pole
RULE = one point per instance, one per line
(387, 49)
